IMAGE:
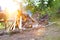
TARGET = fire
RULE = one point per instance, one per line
(10, 5)
(13, 10)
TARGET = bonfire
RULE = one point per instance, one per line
(14, 15)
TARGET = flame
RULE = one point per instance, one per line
(13, 10)
(11, 7)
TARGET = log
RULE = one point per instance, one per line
(33, 20)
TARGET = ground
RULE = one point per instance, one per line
(43, 33)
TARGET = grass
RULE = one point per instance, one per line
(1, 26)
(52, 38)
(54, 35)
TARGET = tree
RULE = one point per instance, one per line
(44, 6)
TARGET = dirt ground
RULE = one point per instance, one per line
(43, 33)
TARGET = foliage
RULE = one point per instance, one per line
(44, 6)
